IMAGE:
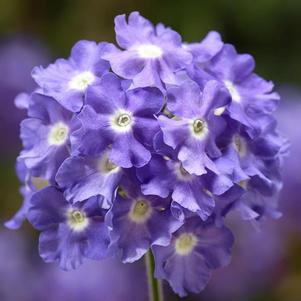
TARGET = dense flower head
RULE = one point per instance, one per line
(149, 145)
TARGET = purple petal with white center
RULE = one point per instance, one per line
(191, 272)
(61, 241)
(151, 55)
(82, 178)
(132, 240)
(66, 80)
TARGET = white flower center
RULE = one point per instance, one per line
(149, 51)
(240, 145)
(122, 121)
(81, 81)
(58, 134)
(232, 90)
(199, 128)
(77, 220)
(140, 211)
(185, 244)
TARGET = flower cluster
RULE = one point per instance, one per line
(148, 145)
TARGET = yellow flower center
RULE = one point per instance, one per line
(39, 183)
(140, 211)
(199, 128)
(77, 220)
(122, 121)
(58, 134)
(185, 244)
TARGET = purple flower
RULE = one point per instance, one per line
(278, 236)
(45, 136)
(197, 248)
(226, 203)
(164, 176)
(260, 160)
(195, 127)
(150, 56)
(138, 222)
(260, 198)
(67, 80)
(123, 119)
(68, 232)
(243, 157)
(82, 177)
(252, 98)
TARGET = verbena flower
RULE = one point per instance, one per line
(68, 232)
(196, 249)
(149, 147)
(252, 98)
(163, 177)
(67, 80)
(87, 176)
(194, 127)
(124, 120)
(45, 136)
(150, 55)
(138, 221)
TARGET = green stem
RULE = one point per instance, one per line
(154, 285)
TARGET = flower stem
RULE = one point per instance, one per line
(154, 285)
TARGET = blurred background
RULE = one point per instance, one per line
(266, 264)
